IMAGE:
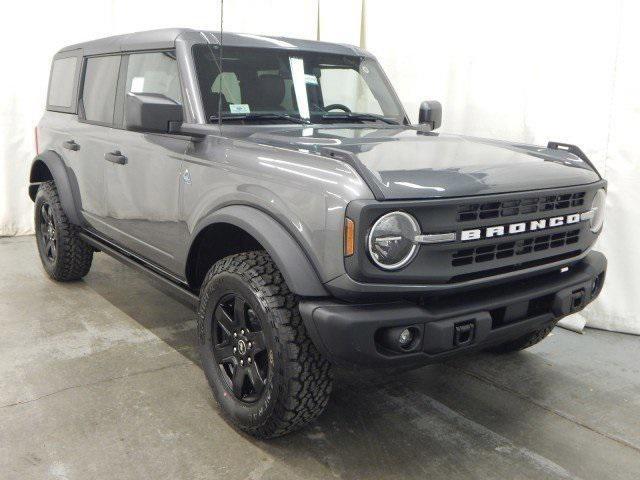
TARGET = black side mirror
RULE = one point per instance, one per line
(151, 112)
(430, 114)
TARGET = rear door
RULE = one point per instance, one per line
(143, 192)
(89, 138)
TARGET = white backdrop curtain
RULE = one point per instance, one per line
(523, 71)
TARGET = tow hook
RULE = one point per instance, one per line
(463, 333)
(577, 299)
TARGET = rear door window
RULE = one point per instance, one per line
(62, 83)
(99, 89)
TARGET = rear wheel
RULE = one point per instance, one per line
(265, 373)
(526, 341)
(65, 257)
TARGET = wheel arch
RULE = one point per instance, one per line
(50, 166)
(251, 229)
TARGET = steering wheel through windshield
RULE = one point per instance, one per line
(338, 106)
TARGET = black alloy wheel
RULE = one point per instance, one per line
(266, 374)
(239, 348)
(47, 232)
(64, 255)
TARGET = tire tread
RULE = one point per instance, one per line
(74, 255)
(307, 375)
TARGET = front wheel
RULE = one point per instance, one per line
(266, 374)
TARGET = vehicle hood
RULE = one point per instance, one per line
(406, 163)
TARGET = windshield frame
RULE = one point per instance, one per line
(317, 118)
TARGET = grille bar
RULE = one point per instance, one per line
(509, 208)
(497, 251)
(513, 268)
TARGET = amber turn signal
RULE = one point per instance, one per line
(349, 237)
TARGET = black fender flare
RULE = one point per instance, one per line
(61, 176)
(297, 269)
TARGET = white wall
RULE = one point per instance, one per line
(534, 72)
(523, 71)
(39, 28)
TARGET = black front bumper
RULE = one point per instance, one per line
(453, 324)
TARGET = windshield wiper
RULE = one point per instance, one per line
(358, 116)
(260, 116)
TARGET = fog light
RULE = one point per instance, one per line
(399, 339)
(405, 338)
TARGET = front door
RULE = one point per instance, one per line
(143, 185)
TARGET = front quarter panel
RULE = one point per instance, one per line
(305, 193)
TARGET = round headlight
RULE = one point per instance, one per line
(391, 240)
(597, 206)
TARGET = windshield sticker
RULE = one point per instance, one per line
(239, 108)
(310, 79)
(137, 85)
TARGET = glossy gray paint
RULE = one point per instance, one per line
(168, 38)
(146, 205)
(172, 186)
(407, 163)
(305, 193)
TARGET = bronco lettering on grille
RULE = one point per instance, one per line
(520, 227)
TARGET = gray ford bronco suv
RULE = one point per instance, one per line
(278, 186)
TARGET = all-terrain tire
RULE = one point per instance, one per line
(72, 259)
(299, 380)
(523, 342)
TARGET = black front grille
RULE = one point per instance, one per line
(513, 268)
(496, 251)
(509, 208)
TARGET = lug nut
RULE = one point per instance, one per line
(234, 349)
(235, 334)
(249, 345)
(405, 338)
(249, 360)
(241, 332)
(242, 362)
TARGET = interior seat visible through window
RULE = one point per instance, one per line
(267, 94)
(155, 72)
(299, 84)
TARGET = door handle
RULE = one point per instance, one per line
(115, 157)
(71, 145)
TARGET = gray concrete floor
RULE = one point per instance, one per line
(99, 379)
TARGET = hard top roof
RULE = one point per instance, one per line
(166, 38)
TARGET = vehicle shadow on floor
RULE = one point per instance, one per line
(403, 424)
(131, 292)
(410, 424)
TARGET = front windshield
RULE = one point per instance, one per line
(269, 85)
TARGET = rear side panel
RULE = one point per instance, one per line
(54, 130)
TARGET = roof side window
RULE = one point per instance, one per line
(99, 90)
(62, 83)
(155, 72)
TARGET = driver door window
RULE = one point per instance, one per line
(154, 73)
